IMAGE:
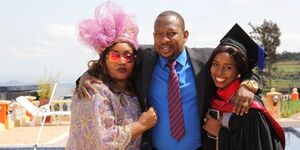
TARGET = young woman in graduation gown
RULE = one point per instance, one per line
(257, 130)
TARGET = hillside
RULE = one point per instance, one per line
(286, 75)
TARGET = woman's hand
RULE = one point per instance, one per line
(211, 125)
(148, 119)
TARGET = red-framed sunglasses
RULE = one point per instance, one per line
(116, 57)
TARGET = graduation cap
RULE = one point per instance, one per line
(238, 38)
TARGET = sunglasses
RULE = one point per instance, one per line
(116, 57)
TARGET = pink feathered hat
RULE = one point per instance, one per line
(110, 25)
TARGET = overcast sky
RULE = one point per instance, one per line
(39, 35)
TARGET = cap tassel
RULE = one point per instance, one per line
(261, 58)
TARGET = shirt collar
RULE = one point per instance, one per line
(181, 59)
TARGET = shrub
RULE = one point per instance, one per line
(45, 86)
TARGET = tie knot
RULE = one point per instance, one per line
(171, 64)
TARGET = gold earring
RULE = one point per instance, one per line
(238, 76)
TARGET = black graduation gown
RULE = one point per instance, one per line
(251, 131)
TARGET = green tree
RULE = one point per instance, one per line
(267, 35)
(289, 56)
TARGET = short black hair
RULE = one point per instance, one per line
(172, 13)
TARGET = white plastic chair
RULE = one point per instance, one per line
(42, 111)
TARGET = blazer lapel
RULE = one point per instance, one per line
(198, 66)
(196, 62)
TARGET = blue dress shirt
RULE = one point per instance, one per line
(158, 98)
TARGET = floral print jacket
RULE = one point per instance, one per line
(103, 122)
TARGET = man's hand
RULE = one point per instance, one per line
(211, 125)
(242, 100)
(85, 84)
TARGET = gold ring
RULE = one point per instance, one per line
(246, 104)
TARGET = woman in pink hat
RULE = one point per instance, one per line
(111, 118)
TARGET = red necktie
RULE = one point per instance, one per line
(175, 104)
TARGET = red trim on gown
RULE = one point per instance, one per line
(224, 106)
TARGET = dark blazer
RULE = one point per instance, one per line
(143, 74)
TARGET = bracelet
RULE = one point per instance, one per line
(252, 85)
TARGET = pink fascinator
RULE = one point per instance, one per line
(111, 24)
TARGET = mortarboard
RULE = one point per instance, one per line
(238, 38)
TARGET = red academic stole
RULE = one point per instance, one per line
(224, 106)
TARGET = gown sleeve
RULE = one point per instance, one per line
(249, 132)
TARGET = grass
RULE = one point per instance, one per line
(285, 84)
(288, 108)
(288, 66)
(287, 75)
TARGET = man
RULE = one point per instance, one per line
(192, 92)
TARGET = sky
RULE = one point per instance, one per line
(38, 37)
